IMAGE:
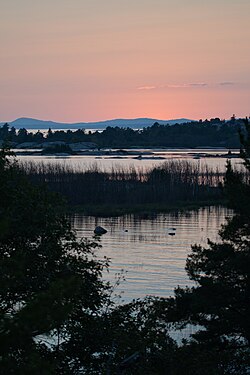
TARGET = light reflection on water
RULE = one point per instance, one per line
(82, 162)
(154, 261)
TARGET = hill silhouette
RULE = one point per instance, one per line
(137, 123)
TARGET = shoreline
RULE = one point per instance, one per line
(145, 210)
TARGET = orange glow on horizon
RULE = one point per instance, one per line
(93, 60)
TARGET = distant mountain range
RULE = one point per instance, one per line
(138, 123)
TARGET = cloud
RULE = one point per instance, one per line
(185, 85)
(173, 86)
(200, 84)
(147, 88)
(226, 83)
(177, 86)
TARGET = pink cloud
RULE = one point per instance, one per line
(228, 83)
(175, 86)
(184, 85)
(147, 88)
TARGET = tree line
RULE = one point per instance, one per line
(214, 133)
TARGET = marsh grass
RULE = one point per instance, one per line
(171, 184)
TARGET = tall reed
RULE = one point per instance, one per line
(170, 182)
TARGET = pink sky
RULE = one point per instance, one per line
(94, 60)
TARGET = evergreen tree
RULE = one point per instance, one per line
(46, 276)
(219, 304)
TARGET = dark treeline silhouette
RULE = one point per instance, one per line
(172, 182)
(214, 133)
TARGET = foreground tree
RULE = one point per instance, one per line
(46, 276)
(219, 304)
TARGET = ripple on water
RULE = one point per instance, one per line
(154, 262)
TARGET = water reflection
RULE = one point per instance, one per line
(81, 162)
(154, 260)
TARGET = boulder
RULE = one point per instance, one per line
(100, 230)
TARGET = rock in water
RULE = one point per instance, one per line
(100, 230)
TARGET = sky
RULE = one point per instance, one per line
(91, 60)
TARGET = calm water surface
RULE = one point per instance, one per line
(81, 162)
(153, 260)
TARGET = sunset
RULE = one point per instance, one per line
(93, 60)
(125, 187)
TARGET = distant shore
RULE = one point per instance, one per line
(140, 153)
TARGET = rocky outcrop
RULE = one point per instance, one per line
(28, 145)
(78, 146)
(53, 144)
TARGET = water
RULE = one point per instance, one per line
(152, 259)
(159, 156)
